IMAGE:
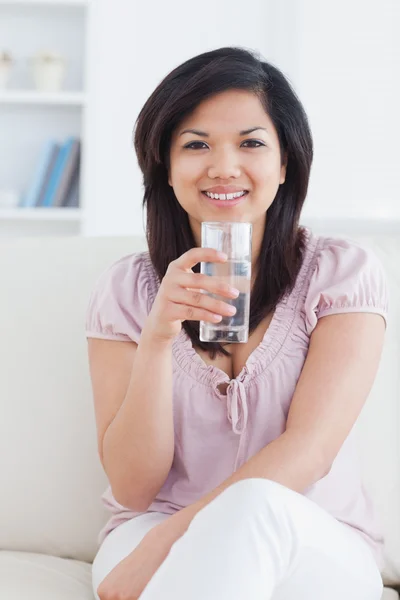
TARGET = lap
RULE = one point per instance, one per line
(324, 546)
(328, 552)
(268, 537)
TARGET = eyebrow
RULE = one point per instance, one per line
(204, 134)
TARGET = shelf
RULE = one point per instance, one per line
(42, 98)
(29, 116)
(61, 3)
(41, 214)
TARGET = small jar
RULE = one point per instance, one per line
(48, 72)
(5, 70)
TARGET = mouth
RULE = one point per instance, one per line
(226, 200)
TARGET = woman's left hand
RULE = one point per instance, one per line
(129, 578)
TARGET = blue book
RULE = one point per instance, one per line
(56, 174)
(44, 165)
(39, 199)
(70, 167)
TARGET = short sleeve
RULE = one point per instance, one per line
(347, 278)
(119, 302)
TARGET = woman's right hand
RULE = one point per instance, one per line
(179, 297)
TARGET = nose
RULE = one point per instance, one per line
(224, 164)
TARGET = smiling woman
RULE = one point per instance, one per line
(233, 474)
(230, 131)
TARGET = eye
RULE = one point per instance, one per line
(253, 142)
(196, 146)
(192, 144)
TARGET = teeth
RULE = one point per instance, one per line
(225, 196)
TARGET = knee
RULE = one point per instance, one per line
(248, 498)
(244, 504)
(254, 493)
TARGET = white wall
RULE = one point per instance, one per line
(132, 48)
(339, 58)
(349, 83)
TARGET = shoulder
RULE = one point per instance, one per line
(347, 263)
(345, 276)
(121, 298)
(128, 273)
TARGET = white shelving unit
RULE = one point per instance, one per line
(25, 3)
(40, 214)
(33, 97)
(29, 117)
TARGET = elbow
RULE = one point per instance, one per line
(312, 474)
(137, 497)
(323, 469)
(134, 503)
(326, 470)
(310, 456)
(317, 465)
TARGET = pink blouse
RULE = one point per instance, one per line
(216, 433)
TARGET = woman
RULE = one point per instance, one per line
(232, 469)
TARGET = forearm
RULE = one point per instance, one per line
(290, 460)
(138, 446)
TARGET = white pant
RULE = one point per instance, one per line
(257, 540)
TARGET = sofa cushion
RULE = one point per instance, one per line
(40, 577)
(50, 501)
(390, 595)
(378, 426)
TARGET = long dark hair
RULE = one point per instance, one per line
(168, 230)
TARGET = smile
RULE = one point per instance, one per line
(225, 196)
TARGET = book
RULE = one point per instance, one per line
(56, 173)
(70, 168)
(41, 173)
(56, 151)
(72, 200)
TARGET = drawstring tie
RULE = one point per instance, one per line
(237, 406)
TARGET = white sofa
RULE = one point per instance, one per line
(51, 477)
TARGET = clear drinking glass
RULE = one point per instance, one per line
(233, 238)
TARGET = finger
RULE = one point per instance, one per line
(198, 300)
(195, 255)
(200, 281)
(184, 312)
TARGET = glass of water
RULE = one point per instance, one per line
(233, 238)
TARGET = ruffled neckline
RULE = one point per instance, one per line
(266, 351)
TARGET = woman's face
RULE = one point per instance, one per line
(223, 154)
